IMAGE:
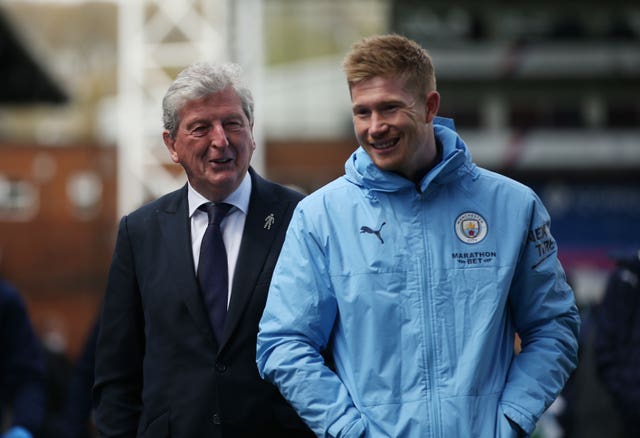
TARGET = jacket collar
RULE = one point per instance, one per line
(360, 169)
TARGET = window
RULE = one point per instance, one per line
(18, 199)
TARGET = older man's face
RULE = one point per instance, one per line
(213, 143)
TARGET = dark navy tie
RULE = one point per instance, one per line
(212, 268)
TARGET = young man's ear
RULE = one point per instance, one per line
(432, 104)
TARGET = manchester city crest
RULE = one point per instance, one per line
(471, 227)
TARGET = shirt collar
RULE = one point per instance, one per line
(239, 198)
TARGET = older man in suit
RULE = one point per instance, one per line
(174, 357)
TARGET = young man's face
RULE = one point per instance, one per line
(393, 125)
(213, 143)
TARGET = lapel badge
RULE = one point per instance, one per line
(268, 221)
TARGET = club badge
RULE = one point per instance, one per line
(471, 227)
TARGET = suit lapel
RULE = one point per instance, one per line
(176, 230)
(256, 246)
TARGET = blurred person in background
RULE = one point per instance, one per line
(22, 369)
(414, 271)
(77, 415)
(167, 364)
(586, 409)
(52, 334)
(617, 342)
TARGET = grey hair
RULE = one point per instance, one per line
(199, 80)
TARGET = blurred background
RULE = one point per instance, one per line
(546, 92)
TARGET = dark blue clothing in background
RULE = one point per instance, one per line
(617, 344)
(76, 421)
(22, 369)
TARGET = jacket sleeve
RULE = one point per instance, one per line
(546, 318)
(22, 362)
(294, 331)
(119, 350)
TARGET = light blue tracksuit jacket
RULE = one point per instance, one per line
(418, 292)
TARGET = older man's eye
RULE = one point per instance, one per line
(199, 130)
(234, 124)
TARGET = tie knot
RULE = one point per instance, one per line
(216, 212)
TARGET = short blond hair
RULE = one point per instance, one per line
(390, 56)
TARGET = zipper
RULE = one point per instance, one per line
(429, 326)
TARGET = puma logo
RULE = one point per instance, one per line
(365, 229)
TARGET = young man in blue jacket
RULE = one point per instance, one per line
(414, 271)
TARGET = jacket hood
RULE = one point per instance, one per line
(360, 169)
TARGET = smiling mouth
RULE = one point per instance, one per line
(384, 145)
(221, 160)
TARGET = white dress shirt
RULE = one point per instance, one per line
(232, 225)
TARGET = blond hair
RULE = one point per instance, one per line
(389, 56)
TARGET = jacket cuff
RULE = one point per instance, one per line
(526, 424)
